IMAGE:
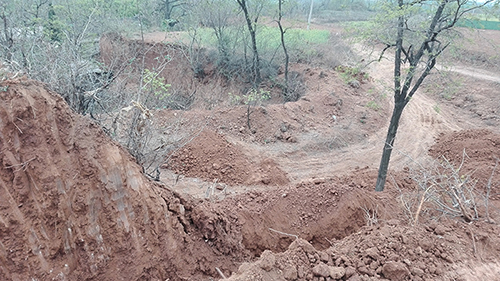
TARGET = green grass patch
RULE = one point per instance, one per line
(268, 38)
(373, 105)
(481, 23)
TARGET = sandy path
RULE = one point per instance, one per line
(473, 72)
(421, 123)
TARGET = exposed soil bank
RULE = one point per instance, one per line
(75, 206)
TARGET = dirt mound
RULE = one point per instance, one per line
(482, 149)
(339, 229)
(75, 206)
(388, 250)
(211, 157)
(317, 212)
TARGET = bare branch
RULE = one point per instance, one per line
(283, 233)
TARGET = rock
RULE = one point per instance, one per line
(355, 278)
(372, 253)
(267, 260)
(302, 244)
(354, 83)
(395, 271)
(323, 256)
(417, 271)
(426, 244)
(319, 180)
(336, 272)
(374, 265)
(350, 271)
(290, 272)
(322, 270)
(283, 127)
(366, 270)
(440, 230)
(346, 260)
(447, 258)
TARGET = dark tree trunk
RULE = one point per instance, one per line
(8, 39)
(389, 143)
(399, 105)
(404, 89)
(168, 6)
(287, 58)
(252, 31)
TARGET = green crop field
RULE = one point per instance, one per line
(491, 24)
(269, 37)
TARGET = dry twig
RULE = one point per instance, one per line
(283, 233)
(220, 273)
(22, 166)
(488, 192)
(371, 216)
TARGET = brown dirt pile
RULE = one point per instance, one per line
(482, 150)
(385, 251)
(211, 157)
(193, 81)
(317, 211)
(340, 230)
(75, 206)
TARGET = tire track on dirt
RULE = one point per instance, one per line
(421, 123)
(472, 72)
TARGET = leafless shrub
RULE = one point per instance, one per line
(147, 138)
(451, 191)
(409, 201)
(444, 188)
(371, 215)
(136, 94)
(296, 87)
(488, 193)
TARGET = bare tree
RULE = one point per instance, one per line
(310, 14)
(167, 7)
(56, 46)
(251, 21)
(285, 51)
(421, 29)
(216, 15)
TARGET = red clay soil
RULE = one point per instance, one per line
(479, 150)
(388, 250)
(317, 211)
(339, 229)
(75, 206)
(211, 157)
